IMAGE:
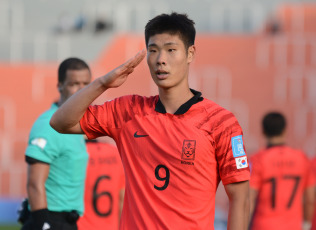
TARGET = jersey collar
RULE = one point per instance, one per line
(54, 106)
(184, 107)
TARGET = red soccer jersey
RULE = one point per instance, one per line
(104, 181)
(173, 162)
(314, 216)
(280, 174)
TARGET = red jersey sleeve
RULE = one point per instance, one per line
(230, 153)
(106, 119)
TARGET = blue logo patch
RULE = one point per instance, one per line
(238, 146)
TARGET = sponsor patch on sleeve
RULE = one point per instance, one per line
(241, 162)
(238, 146)
(40, 142)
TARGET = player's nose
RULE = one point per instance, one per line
(161, 59)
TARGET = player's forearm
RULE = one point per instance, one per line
(37, 196)
(238, 216)
(308, 212)
(121, 201)
(37, 200)
(252, 200)
(70, 112)
(308, 206)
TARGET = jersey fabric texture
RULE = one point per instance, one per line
(173, 162)
(280, 174)
(104, 181)
(313, 162)
(67, 157)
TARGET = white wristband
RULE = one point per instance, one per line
(306, 225)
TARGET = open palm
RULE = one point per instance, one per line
(118, 76)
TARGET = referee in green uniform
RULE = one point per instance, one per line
(57, 162)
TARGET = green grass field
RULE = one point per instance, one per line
(10, 227)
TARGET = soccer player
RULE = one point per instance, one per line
(57, 162)
(314, 214)
(175, 146)
(281, 179)
(104, 188)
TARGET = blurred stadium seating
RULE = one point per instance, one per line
(252, 57)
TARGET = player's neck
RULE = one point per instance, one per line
(61, 101)
(277, 140)
(173, 98)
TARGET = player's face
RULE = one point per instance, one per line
(169, 60)
(75, 80)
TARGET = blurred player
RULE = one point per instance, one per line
(314, 215)
(104, 188)
(57, 162)
(175, 146)
(281, 179)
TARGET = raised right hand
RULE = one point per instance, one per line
(118, 76)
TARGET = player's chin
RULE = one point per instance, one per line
(164, 84)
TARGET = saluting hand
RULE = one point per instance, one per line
(118, 76)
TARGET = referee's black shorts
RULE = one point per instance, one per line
(57, 221)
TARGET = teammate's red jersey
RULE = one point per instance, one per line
(173, 162)
(314, 173)
(104, 181)
(280, 174)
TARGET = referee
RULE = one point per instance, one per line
(57, 162)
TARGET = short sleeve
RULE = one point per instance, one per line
(91, 122)
(43, 143)
(106, 119)
(230, 150)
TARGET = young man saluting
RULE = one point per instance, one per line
(176, 146)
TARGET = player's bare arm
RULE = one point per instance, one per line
(37, 175)
(238, 195)
(66, 118)
(308, 206)
(252, 199)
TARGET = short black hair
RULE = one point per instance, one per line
(273, 124)
(71, 63)
(173, 23)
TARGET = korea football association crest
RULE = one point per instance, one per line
(188, 149)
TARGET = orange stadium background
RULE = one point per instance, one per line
(248, 74)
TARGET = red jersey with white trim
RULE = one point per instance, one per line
(173, 162)
(104, 181)
(280, 174)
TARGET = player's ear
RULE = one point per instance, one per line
(60, 87)
(191, 53)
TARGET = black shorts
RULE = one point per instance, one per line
(57, 221)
